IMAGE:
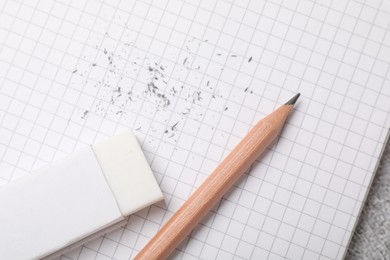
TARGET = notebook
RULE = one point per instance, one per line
(190, 78)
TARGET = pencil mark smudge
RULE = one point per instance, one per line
(85, 114)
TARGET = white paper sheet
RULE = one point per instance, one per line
(191, 78)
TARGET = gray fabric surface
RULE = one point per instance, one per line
(371, 239)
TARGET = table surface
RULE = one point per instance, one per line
(371, 239)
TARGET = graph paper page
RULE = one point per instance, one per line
(190, 78)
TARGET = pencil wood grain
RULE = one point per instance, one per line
(216, 185)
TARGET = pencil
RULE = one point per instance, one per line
(217, 184)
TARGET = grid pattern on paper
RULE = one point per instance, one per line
(190, 78)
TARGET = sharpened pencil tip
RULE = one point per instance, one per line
(293, 100)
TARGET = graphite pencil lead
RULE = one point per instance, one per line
(293, 100)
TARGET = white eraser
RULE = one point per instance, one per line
(75, 198)
(122, 161)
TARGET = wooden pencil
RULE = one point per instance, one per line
(217, 184)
